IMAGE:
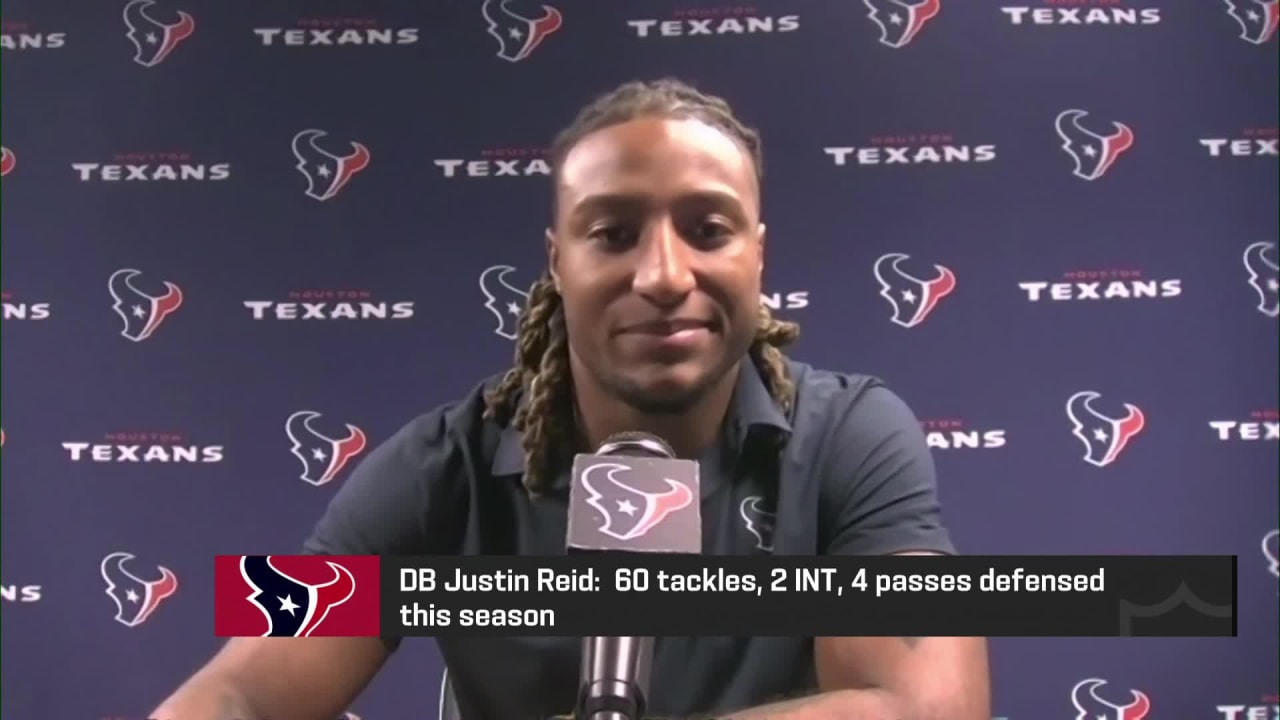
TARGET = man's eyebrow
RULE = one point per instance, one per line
(638, 200)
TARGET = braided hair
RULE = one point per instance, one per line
(541, 367)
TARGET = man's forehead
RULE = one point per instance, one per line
(625, 158)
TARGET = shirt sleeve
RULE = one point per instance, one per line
(881, 484)
(406, 497)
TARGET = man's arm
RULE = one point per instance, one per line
(277, 679)
(887, 678)
(870, 678)
(384, 508)
(880, 498)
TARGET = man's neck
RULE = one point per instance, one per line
(689, 433)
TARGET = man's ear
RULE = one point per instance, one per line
(553, 257)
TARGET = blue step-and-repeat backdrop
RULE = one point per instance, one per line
(238, 237)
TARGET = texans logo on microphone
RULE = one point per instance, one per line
(503, 299)
(1092, 153)
(296, 596)
(627, 512)
(518, 36)
(758, 521)
(7, 161)
(1104, 437)
(911, 298)
(1264, 276)
(899, 20)
(135, 598)
(1090, 706)
(326, 173)
(153, 40)
(1257, 18)
(141, 312)
(322, 457)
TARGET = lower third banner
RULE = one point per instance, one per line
(666, 595)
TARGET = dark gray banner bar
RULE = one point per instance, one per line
(1148, 596)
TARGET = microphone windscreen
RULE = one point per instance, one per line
(632, 495)
(636, 444)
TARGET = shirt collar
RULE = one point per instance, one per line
(752, 407)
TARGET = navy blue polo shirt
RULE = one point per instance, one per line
(853, 477)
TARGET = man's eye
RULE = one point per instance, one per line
(611, 236)
(712, 228)
(710, 232)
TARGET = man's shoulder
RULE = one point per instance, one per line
(457, 422)
(408, 494)
(825, 395)
(847, 415)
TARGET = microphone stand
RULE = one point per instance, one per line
(614, 678)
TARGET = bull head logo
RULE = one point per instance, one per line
(1271, 551)
(1257, 18)
(1104, 437)
(641, 511)
(135, 599)
(142, 313)
(900, 21)
(759, 522)
(291, 607)
(518, 36)
(1091, 707)
(153, 40)
(325, 172)
(503, 299)
(1264, 277)
(322, 457)
(1092, 153)
(911, 298)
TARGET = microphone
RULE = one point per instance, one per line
(631, 496)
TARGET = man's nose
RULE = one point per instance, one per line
(664, 275)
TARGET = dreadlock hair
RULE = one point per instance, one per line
(547, 417)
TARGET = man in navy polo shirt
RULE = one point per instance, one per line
(649, 319)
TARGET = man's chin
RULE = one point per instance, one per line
(668, 390)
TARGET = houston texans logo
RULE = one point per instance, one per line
(911, 298)
(136, 599)
(1104, 438)
(1264, 277)
(325, 172)
(759, 521)
(1257, 18)
(293, 608)
(153, 40)
(1271, 550)
(503, 299)
(141, 313)
(642, 510)
(1091, 707)
(322, 457)
(899, 20)
(1092, 153)
(518, 36)
(7, 161)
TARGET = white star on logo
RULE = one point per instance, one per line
(286, 604)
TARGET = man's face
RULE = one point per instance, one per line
(657, 252)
